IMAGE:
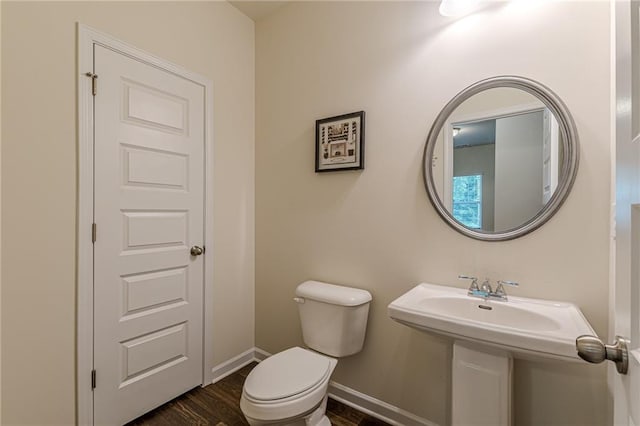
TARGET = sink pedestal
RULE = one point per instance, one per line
(481, 385)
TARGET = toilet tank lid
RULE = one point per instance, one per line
(334, 294)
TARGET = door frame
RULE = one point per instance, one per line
(88, 37)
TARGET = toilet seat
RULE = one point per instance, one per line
(289, 384)
(289, 373)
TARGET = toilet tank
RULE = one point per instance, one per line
(333, 317)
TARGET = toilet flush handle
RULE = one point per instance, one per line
(299, 300)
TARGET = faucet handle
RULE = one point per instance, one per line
(511, 283)
(500, 289)
(474, 282)
(467, 277)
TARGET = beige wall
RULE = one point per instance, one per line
(375, 229)
(39, 180)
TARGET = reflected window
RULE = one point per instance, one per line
(467, 200)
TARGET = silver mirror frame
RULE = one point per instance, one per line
(570, 160)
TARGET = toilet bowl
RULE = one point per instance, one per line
(290, 387)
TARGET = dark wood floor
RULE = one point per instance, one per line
(219, 405)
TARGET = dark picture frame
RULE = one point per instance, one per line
(340, 142)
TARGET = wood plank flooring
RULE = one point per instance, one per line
(219, 405)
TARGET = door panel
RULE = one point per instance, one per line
(149, 211)
(146, 291)
(153, 352)
(157, 169)
(152, 107)
(154, 229)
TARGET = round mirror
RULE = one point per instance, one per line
(501, 158)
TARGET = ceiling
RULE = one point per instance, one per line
(476, 133)
(257, 10)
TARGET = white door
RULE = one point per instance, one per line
(149, 191)
(624, 306)
(518, 193)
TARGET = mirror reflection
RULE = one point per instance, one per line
(497, 159)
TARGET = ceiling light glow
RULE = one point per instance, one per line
(457, 7)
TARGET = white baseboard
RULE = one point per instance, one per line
(375, 407)
(351, 397)
(261, 355)
(229, 367)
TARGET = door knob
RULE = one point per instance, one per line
(196, 251)
(591, 349)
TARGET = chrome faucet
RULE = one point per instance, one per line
(485, 291)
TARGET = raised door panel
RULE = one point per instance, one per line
(153, 168)
(147, 291)
(148, 354)
(155, 108)
(154, 229)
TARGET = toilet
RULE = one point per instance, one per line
(290, 387)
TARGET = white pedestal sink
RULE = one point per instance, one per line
(487, 334)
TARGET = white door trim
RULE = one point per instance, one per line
(87, 38)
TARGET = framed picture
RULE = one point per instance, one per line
(340, 142)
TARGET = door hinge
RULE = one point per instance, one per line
(94, 82)
(93, 379)
(94, 232)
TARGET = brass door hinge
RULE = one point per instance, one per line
(94, 232)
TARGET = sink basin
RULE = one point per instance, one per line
(525, 327)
